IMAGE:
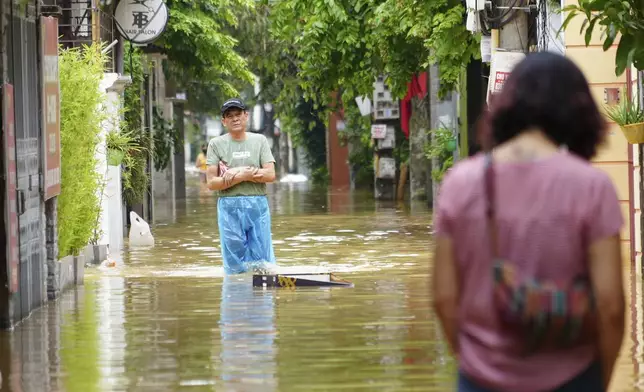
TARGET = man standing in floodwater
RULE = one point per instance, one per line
(240, 164)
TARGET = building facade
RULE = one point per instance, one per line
(616, 157)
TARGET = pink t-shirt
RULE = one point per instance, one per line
(548, 212)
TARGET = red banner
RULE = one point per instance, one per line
(51, 109)
(11, 207)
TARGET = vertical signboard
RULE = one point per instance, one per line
(11, 205)
(50, 104)
(502, 65)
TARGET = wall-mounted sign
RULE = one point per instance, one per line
(11, 205)
(378, 131)
(389, 141)
(141, 21)
(51, 110)
(502, 65)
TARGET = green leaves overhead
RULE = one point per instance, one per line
(202, 54)
(623, 17)
(311, 48)
(344, 45)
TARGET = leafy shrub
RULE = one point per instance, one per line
(81, 115)
(442, 149)
(357, 135)
(135, 162)
(127, 146)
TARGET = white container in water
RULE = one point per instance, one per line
(294, 178)
(140, 234)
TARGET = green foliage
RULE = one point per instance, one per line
(320, 49)
(135, 179)
(273, 62)
(451, 46)
(193, 132)
(348, 44)
(623, 17)
(129, 146)
(132, 104)
(626, 112)
(320, 176)
(401, 151)
(267, 58)
(166, 138)
(441, 149)
(357, 134)
(307, 130)
(81, 115)
(202, 55)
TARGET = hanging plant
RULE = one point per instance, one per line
(120, 145)
(126, 148)
(630, 117)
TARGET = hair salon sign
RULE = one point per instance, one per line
(141, 21)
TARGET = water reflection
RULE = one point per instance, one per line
(247, 330)
(165, 319)
(111, 319)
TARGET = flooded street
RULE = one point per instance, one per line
(165, 319)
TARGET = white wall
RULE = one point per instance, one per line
(111, 214)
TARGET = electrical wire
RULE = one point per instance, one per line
(543, 25)
(502, 20)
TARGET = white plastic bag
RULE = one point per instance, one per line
(140, 234)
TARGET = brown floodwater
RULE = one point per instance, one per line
(166, 319)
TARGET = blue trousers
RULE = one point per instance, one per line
(590, 380)
(244, 232)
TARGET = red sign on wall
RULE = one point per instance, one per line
(51, 109)
(499, 81)
(11, 207)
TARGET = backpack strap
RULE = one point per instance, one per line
(490, 199)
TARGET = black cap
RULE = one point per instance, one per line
(232, 103)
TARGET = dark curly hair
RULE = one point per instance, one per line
(549, 92)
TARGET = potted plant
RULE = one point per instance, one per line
(629, 116)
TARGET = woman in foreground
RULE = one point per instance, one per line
(527, 278)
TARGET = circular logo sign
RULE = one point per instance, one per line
(141, 21)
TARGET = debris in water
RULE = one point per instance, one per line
(140, 234)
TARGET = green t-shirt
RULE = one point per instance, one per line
(254, 151)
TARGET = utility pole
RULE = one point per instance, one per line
(383, 133)
(443, 114)
(510, 33)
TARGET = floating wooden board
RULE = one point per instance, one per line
(299, 280)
